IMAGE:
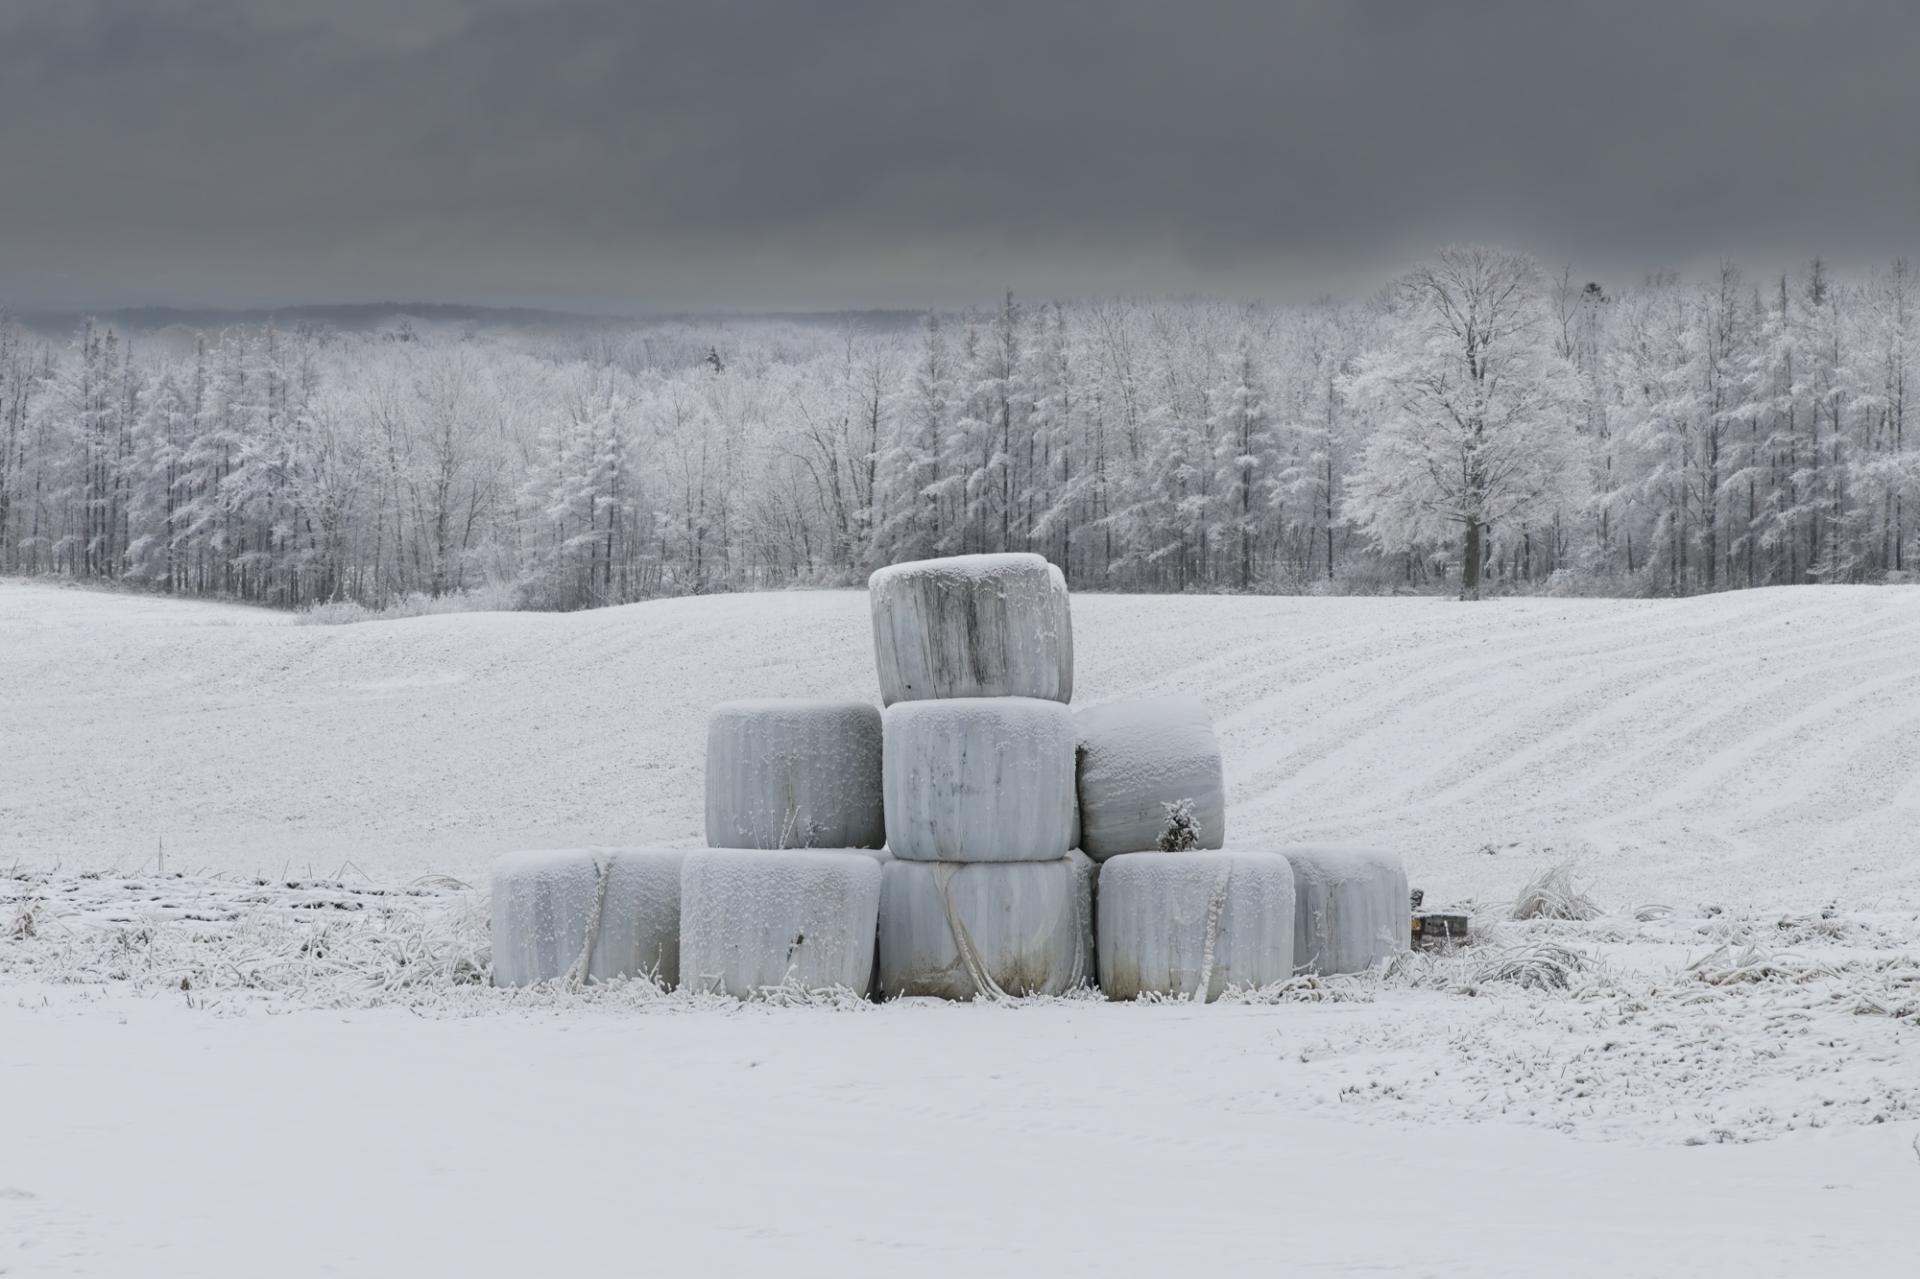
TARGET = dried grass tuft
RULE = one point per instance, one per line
(1552, 894)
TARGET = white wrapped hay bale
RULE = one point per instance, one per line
(958, 930)
(793, 773)
(639, 933)
(1194, 923)
(972, 626)
(757, 921)
(586, 913)
(1062, 629)
(1350, 908)
(1136, 757)
(979, 779)
(543, 905)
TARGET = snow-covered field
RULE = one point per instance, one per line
(268, 1056)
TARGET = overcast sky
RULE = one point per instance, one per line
(638, 155)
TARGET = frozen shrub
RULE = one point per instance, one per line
(1182, 831)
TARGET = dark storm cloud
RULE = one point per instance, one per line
(638, 155)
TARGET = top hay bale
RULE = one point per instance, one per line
(972, 626)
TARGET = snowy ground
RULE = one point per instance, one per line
(240, 1065)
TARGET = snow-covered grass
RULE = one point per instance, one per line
(1691, 1050)
(481, 599)
(1553, 894)
(1684, 1028)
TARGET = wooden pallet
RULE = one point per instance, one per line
(1433, 928)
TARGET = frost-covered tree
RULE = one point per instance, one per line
(1729, 433)
(1475, 411)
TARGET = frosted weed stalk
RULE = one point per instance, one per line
(1552, 894)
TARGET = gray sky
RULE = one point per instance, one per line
(663, 154)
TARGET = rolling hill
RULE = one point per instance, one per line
(1757, 748)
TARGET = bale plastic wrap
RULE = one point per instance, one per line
(984, 779)
(639, 932)
(1350, 908)
(1194, 924)
(588, 913)
(1137, 756)
(790, 773)
(958, 930)
(972, 626)
(1063, 629)
(756, 921)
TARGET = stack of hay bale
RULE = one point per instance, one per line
(984, 894)
(984, 789)
(786, 895)
(1182, 915)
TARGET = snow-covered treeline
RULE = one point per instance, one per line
(1477, 422)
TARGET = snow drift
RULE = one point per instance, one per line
(589, 913)
(794, 773)
(1194, 923)
(979, 779)
(1350, 908)
(962, 929)
(972, 626)
(1137, 756)
(757, 921)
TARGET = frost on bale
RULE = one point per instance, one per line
(1138, 756)
(764, 921)
(586, 914)
(958, 930)
(791, 773)
(983, 779)
(972, 626)
(639, 930)
(1350, 908)
(1186, 923)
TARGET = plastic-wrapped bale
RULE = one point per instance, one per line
(958, 930)
(1136, 757)
(1063, 628)
(980, 779)
(972, 626)
(1194, 923)
(639, 932)
(796, 919)
(791, 773)
(620, 907)
(1350, 908)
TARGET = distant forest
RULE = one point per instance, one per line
(1480, 426)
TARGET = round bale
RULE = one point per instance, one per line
(794, 773)
(972, 626)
